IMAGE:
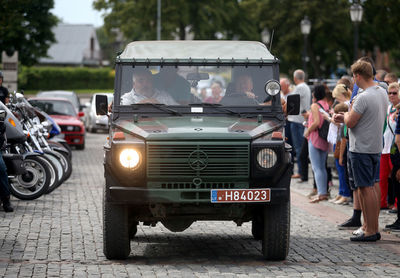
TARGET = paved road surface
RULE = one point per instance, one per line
(61, 235)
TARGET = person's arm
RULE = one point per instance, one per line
(351, 118)
(315, 116)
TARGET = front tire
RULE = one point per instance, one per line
(116, 242)
(275, 242)
(257, 226)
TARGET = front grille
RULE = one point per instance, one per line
(198, 159)
(208, 185)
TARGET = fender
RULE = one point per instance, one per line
(29, 154)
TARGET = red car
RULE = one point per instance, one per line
(65, 115)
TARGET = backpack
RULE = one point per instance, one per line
(324, 129)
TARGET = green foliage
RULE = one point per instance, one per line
(26, 27)
(330, 42)
(65, 78)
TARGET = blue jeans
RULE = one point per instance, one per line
(318, 161)
(297, 132)
(344, 189)
(4, 186)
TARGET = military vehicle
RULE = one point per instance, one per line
(196, 133)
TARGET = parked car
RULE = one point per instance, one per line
(174, 159)
(65, 115)
(95, 122)
(71, 96)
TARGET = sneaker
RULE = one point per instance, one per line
(393, 227)
(349, 224)
(358, 232)
(363, 237)
(394, 210)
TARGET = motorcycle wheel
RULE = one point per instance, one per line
(67, 164)
(34, 182)
(58, 169)
(55, 178)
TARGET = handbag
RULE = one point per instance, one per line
(336, 154)
(324, 129)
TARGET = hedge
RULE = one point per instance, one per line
(65, 78)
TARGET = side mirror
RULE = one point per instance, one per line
(101, 105)
(293, 105)
(81, 114)
(81, 107)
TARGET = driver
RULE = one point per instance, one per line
(144, 92)
(241, 93)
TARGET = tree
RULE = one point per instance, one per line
(137, 20)
(26, 27)
(330, 42)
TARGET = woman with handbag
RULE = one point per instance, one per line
(318, 146)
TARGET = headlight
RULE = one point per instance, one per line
(266, 158)
(272, 87)
(129, 158)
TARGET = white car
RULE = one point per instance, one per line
(94, 122)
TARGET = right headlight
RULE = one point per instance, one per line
(129, 158)
(267, 158)
(272, 87)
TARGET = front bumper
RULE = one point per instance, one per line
(280, 192)
(74, 138)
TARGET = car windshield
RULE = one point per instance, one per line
(54, 107)
(71, 97)
(196, 84)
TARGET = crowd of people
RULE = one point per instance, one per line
(358, 122)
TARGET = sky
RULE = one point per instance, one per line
(77, 12)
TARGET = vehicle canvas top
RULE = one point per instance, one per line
(209, 50)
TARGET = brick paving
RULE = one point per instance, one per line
(60, 235)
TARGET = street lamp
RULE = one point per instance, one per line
(305, 26)
(265, 36)
(356, 13)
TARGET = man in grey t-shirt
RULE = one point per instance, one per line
(365, 122)
(296, 121)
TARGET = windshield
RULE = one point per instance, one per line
(71, 97)
(54, 107)
(188, 85)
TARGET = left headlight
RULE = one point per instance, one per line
(129, 158)
(272, 87)
(266, 158)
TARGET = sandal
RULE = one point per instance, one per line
(319, 198)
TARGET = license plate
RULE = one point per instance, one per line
(241, 195)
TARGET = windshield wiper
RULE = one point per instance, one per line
(217, 106)
(160, 106)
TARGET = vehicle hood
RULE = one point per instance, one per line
(197, 128)
(66, 120)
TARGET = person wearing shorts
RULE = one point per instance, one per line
(366, 119)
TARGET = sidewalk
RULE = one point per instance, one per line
(304, 188)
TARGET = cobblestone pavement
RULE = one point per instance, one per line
(60, 235)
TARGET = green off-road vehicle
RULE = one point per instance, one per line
(197, 133)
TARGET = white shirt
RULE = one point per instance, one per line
(134, 97)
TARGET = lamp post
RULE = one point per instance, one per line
(265, 36)
(158, 20)
(305, 27)
(356, 13)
